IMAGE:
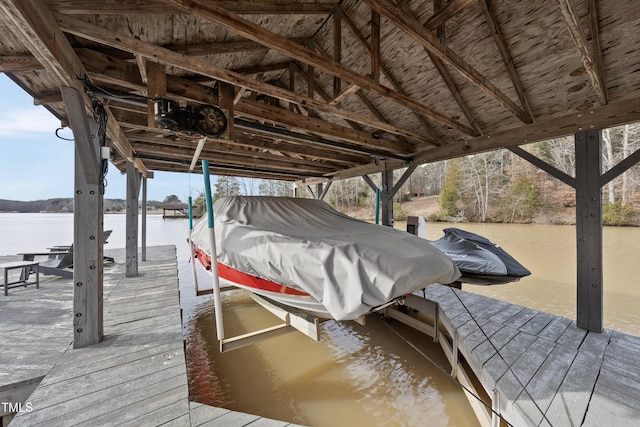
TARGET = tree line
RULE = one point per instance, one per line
(496, 186)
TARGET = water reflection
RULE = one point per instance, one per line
(356, 375)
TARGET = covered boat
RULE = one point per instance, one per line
(303, 253)
(480, 261)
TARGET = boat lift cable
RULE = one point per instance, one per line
(444, 371)
(498, 353)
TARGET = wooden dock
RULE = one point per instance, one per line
(547, 372)
(135, 376)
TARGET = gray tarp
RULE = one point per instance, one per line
(348, 265)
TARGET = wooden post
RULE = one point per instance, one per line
(588, 149)
(375, 188)
(156, 87)
(88, 229)
(387, 198)
(144, 219)
(389, 190)
(133, 190)
(318, 190)
(226, 101)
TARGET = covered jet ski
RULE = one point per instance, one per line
(480, 261)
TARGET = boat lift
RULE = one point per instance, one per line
(293, 320)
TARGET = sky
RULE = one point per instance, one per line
(35, 164)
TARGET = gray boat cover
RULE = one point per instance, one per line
(348, 265)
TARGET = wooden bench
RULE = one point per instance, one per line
(26, 267)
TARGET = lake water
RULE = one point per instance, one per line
(355, 375)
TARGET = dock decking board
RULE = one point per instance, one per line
(135, 376)
(547, 371)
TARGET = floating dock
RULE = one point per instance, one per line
(135, 376)
(544, 370)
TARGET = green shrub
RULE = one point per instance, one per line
(449, 195)
(398, 213)
(617, 214)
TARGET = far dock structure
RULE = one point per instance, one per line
(541, 368)
(173, 209)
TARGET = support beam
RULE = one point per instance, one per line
(620, 168)
(588, 149)
(131, 250)
(325, 190)
(88, 228)
(551, 170)
(406, 175)
(310, 190)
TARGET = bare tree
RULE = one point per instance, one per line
(483, 178)
(609, 162)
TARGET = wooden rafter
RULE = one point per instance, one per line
(410, 25)
(580, 40)
(195, 65)
(375, 46)
(12, 63)
(387, 73)
(345, 93)
(260, 140)
(218, 48)
(47, 98)
(447, 12)
(319, 91)
(594, 22)
(122, 73)
(337, 50)
(236, 157)
(439, 29)
(505, 55)
(124, 7)
(319, 127)
(251, 31)
(50, 47)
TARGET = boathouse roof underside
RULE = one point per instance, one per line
(322, 89)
